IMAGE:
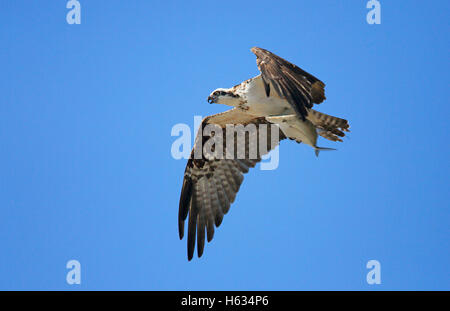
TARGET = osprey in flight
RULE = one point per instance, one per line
(282, 95)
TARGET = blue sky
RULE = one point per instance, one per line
(86, 171)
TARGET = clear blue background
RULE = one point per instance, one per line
(86, 171)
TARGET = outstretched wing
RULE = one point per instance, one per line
(298, 87)
(211, 180)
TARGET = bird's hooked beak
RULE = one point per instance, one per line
(211, 99)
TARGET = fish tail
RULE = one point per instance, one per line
(318, 149)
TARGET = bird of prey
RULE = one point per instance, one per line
(282, 95)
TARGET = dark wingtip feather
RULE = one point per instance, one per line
(318, 92)
(209, 231)
(218, 218)
(192, 232)
(200, 235)
(180, 228)
(185, 200)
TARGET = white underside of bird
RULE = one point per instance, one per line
(252, 100)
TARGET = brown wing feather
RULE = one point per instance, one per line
(210, 184)
(298, 87)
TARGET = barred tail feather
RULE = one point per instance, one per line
(328, 126)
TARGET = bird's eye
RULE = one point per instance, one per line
(222, 93)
